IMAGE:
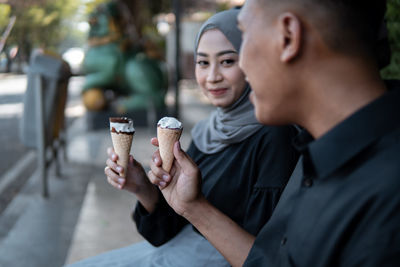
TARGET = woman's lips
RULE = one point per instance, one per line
(218, 91)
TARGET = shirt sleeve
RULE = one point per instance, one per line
(276, 159)
(159, 226)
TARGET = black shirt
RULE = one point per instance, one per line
(244, 181)
(343, 208)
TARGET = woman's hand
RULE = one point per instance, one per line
(181, 187)
(136, 179)
(135, 182)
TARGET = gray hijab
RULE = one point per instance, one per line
(234, 124)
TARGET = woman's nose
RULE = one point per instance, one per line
(214, 75)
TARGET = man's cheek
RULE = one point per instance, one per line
(241, 59)
(251, 96)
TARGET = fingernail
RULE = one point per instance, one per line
(162, 184)
(155, 160)
(120, 180)
(119, 169)
(165, 177)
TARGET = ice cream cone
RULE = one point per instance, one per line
(122, 132)
(166, 140)
(122, 146)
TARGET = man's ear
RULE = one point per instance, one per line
(290, 36)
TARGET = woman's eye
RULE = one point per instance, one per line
(228, 62)
(202, 63)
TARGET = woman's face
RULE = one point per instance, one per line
(217, 70)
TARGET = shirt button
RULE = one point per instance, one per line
(283, 241)
(308, 182)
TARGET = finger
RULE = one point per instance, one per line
(156, 158)
(160, 173)
(114, 166)
(114, 176)
(133, 162)
(184, 161)
(114, 184)
(155, 180)
(114, 179)
(111, 154)
(154, 141)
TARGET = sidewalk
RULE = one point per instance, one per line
(84, 215)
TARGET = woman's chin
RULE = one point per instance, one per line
(220, 105)
(220, 102)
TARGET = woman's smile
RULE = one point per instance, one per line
(218, 91)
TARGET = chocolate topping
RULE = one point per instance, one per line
(120, 119)
(115, 131)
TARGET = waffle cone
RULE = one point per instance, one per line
(166, 140)
(122, 146)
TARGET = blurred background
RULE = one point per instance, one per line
(66, 66)
(62, 27)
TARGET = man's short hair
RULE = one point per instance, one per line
(345, 25)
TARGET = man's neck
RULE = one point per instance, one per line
(337, 90)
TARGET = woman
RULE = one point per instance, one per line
(244, 165)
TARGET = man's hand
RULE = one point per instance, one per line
(182, 186)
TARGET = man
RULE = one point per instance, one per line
(313, 63)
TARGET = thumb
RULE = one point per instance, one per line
(181, 157)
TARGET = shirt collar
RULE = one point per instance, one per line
(350, 137)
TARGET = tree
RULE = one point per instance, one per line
(393, 23)
(40, 23)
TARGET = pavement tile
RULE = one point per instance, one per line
(37, 231)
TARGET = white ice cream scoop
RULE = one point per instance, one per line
(170, 123)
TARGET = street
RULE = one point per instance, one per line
(12, 89)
